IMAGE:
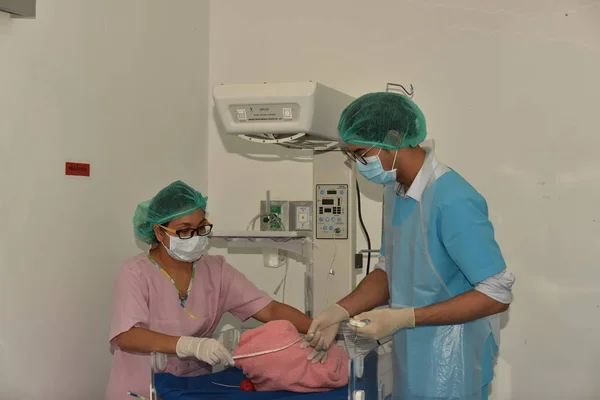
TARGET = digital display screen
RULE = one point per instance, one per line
(328, 210)
(327, 202)
(332, 192)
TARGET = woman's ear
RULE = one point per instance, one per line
(158, 233)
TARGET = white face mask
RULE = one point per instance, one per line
(374, 171)
(187, 250)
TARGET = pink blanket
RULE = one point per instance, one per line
(287, 368)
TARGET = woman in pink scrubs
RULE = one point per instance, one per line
(171, 299)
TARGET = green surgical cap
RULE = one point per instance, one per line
(386, 120)
(172, 202)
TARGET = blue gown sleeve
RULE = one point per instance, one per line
(468, 235)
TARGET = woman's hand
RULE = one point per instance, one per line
(204, 349)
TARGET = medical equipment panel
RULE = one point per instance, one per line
(284, 112)
(276, 217)
(284, 215)
(301, 215)
(301, 115)
(332, 211)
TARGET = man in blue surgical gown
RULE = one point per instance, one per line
(441, 274)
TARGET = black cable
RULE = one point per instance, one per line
(362, 224)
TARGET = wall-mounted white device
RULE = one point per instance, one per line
(304, 116)
(301, 115)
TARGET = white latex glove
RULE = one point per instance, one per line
(384, 322)
(204, 349)
(316, 356)
(323, 330)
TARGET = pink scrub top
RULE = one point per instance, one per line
(145, 298)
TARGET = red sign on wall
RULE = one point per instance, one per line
(77, 169)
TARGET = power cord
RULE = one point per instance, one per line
(364, 229)
(331, 271)
(283, 281)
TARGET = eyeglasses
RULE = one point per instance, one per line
(189, 233)
(355, 157)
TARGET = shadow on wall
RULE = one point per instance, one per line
(370, 190)
(5, 23)
(504, 318)
(496, 391)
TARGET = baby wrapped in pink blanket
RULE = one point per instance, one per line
(287, 368)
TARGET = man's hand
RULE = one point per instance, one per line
(384, 322)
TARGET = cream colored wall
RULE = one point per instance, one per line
(121, 85)
(510, 92)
